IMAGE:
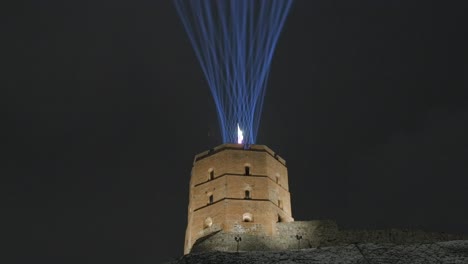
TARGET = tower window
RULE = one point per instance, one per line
(277, 178)
(211, 175)
(280, 204)
(247, 194)
(210, 199)
(247, 170)
(279, 219)
(247, 217)
(208, 222)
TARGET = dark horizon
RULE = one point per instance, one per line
(106, 106)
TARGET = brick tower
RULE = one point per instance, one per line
(237, 190)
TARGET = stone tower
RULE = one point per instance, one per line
(237, 190)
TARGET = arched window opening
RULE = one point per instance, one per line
(247, 194)
(208, 222)
(211, 177)
(247, 217)
(277, 179)
(280, 204)
(279, 219)
(210, 199)
(247, 170)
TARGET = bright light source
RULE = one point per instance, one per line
(234, 41)
(240, 135)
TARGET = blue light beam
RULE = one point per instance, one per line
(234, 41)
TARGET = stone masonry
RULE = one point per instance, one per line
(237, 190)
(316, 234)
(242, 192)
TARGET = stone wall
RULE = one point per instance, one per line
(450, 252)
(314, 234)
(311, 234)
(222, 241)
(395, 236)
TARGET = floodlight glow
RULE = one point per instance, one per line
(240, 135)
(234, 41)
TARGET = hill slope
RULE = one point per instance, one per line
(450, 252)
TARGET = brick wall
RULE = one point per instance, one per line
(229, 183)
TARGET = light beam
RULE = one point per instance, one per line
(234, 41)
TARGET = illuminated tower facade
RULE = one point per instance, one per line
(237, 190)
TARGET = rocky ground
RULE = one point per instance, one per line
(450, 252)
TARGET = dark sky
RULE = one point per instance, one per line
(104, 106)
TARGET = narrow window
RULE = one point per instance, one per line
(277, 179)
(211, 175)
(280, 204)
(208, 222)
(247, 217)
(247, 194)
(210, 199)
(279, 219)
(247, 170)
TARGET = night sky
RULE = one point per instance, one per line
(104, 106)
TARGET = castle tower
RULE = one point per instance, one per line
(237, 190)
